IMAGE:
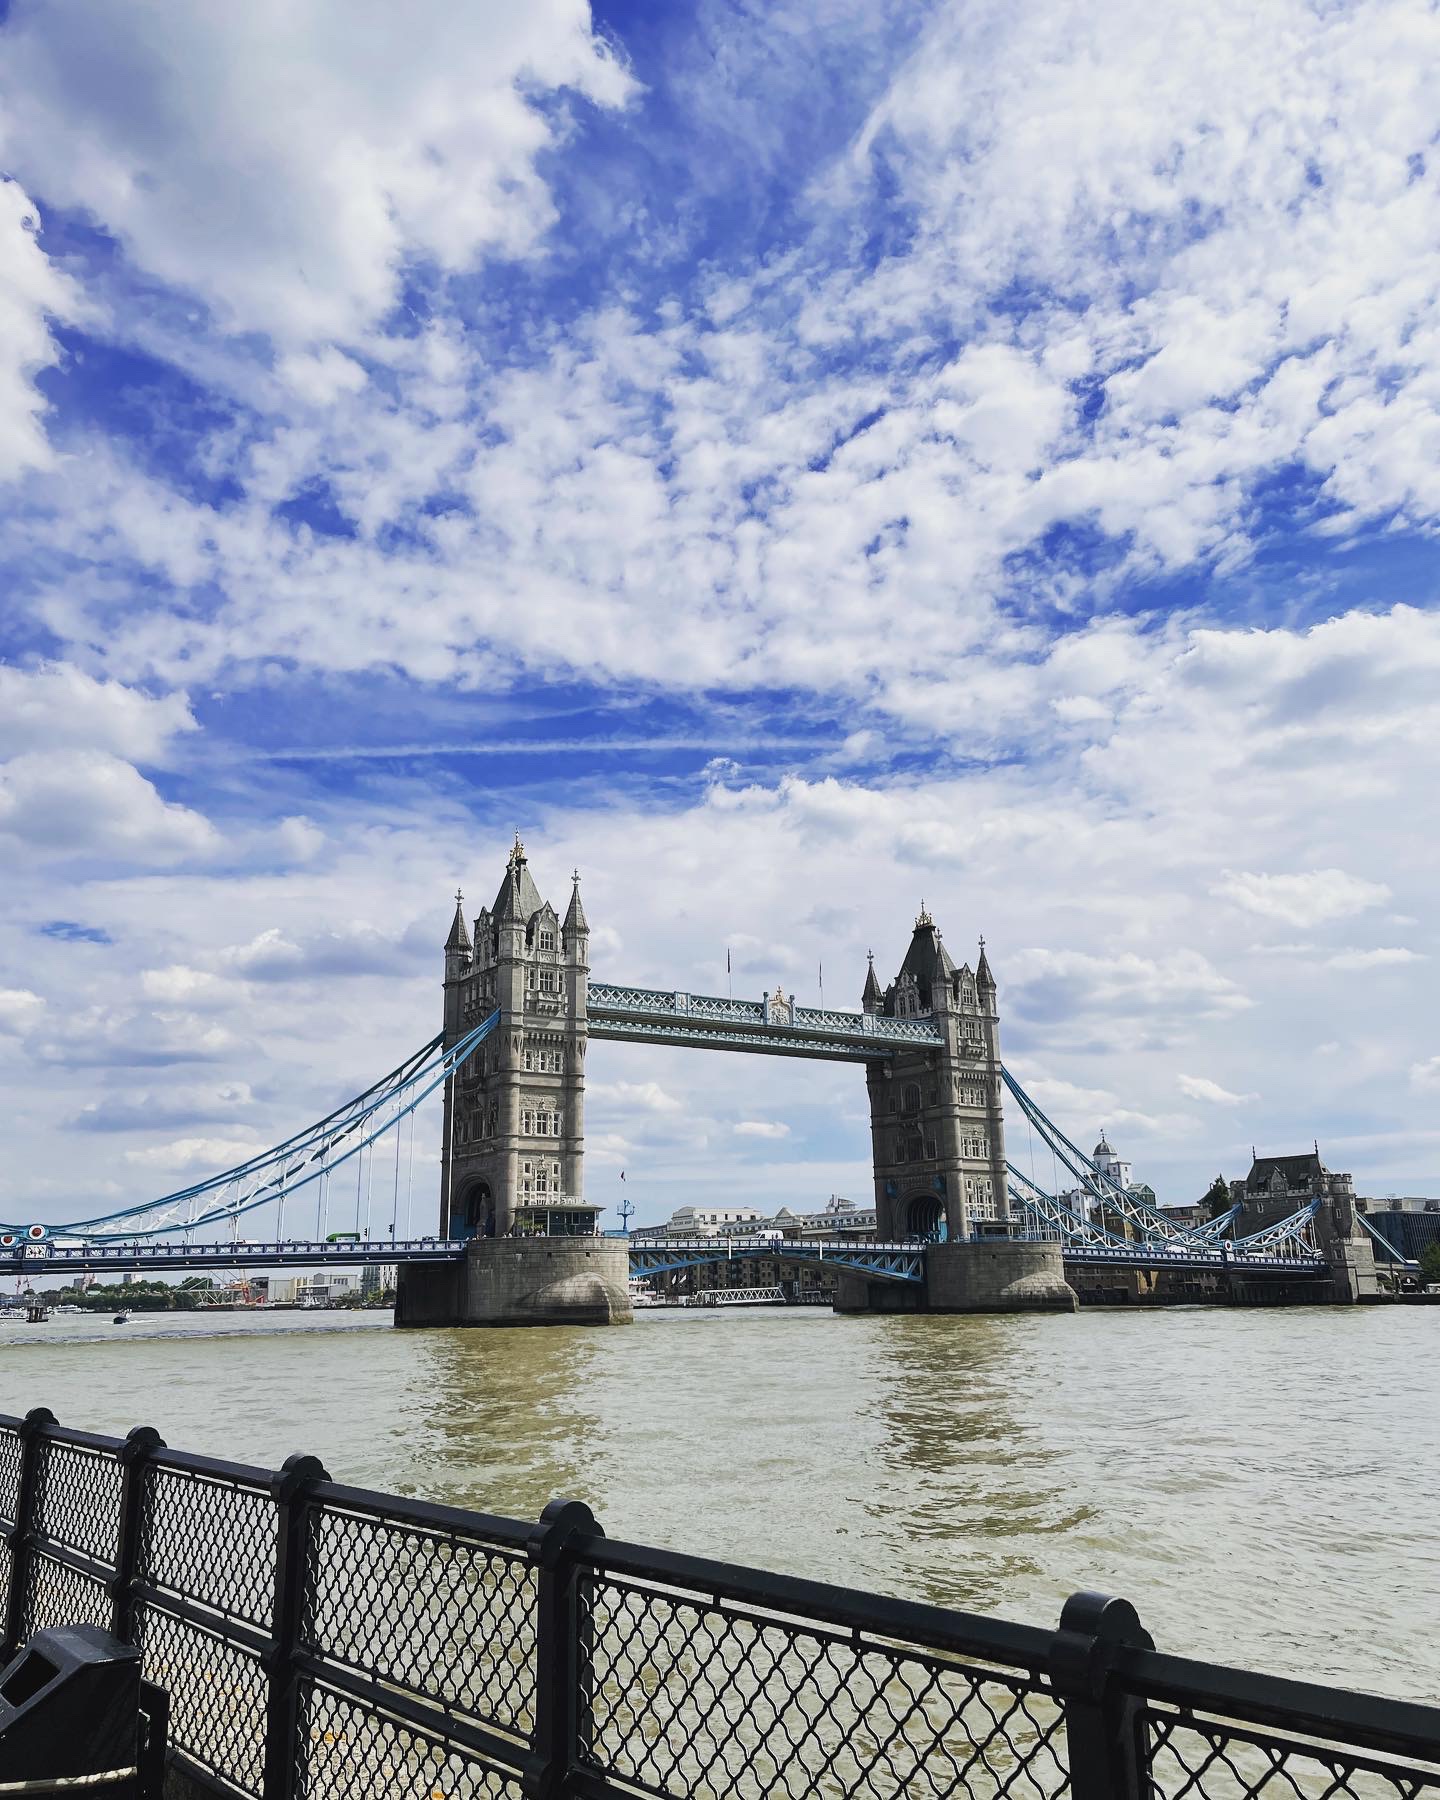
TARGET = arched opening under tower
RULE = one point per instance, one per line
(925, 1218)
(475, 1215)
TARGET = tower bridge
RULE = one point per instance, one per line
(959, 1227)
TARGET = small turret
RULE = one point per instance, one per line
(984, 980)
(872, 1000)
(575, 924)
(457, 945)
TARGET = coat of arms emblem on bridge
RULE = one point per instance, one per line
(779, 1010)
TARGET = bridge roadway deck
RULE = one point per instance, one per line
(45, 1259)
(881, 1261)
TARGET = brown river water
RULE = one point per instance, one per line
(1264, 1486)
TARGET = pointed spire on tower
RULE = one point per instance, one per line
(983, 978)
(871, 999)
(459, 938)
(575, 919)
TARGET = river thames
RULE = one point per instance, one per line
(1263, 1485)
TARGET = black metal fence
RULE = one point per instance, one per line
(321, 1641)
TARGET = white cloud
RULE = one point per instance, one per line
(150, 1109)
(211, 1154)
(648, 1096)
(761, 1128)
(88, 803)
(32, 292)
(1315, 898)
(177, 983)
(1383, 958)
(1199, 1087)
(1077, 984)
(1426, 1074)
(55, 706)
(19, 1010)
(286, 158)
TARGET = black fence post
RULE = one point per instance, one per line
(32, 1448)
(135, 1453)
(1104, 1727)
(562, 1661)
(290, 1490)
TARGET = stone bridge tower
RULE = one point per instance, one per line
(514, 1125)
(937, 1133)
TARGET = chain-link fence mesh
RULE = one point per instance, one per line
(9, 1473)
(1193, 1759)
(346, 1750)
(427, 1610)
(211, 1541)
(690, 1698)
(318, 1643)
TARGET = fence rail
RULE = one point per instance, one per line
(320, 1642)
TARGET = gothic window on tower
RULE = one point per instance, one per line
(899, 1148)
(930, 1149)
(912, 1149)
(549, 981)
(912, 1097)
(529, 1060)
(527, 1178)
(547, 940)
(527, 1121)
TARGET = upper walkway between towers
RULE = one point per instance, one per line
(775, 1024)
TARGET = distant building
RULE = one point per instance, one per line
(1409, 1223)
(1120, 1172)
(1187, 1216)
(698, 1222)
(375, 1278)
(840, 1218)
(1409, 1203)
(327, 1287)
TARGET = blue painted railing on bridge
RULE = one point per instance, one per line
(45, 1259)
(886, 1262)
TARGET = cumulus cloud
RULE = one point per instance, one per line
(1076, 984)
(761, 1128)
(56, 706)
(199, 1153)
(1315, 898)
(355, 949)
(19, 1010)
(89, 803)
(177, 983)
(32, 293)
(647, 1096)
(162, 1109)
(1200, 1087)
(284, 160)
(1384, 957)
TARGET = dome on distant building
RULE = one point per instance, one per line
(1103, 1147)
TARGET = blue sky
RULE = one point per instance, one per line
(787, 461)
